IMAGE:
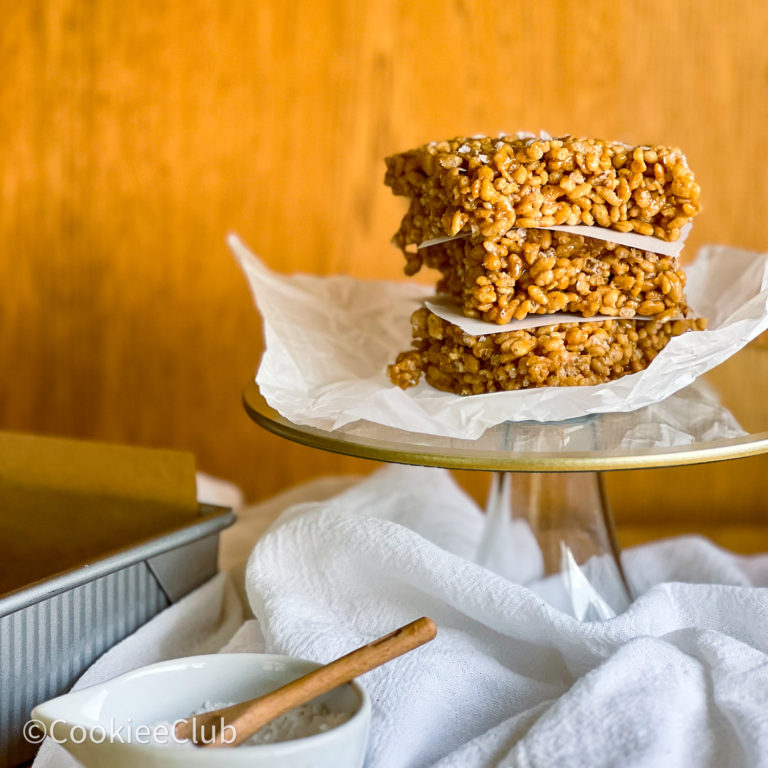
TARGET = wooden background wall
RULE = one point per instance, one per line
(134, 136)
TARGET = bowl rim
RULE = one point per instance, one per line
(362, 712)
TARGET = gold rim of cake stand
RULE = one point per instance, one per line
(494, 461)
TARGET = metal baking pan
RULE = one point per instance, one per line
(77, 595)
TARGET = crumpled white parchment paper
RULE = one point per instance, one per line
(330, 339)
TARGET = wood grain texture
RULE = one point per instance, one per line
(133, 137)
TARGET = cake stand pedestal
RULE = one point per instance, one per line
(546, 507)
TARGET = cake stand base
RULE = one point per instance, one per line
(554, 532)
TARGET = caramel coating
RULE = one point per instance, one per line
(536, 271)
(483, 187)
(566, 354)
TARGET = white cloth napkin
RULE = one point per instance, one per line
(681, 678)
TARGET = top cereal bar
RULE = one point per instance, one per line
(483, 187)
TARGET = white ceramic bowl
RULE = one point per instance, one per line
(172, 689)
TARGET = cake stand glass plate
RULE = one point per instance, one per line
(546, 488)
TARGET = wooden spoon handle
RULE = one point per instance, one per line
(248, 717)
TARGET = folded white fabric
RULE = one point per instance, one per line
(681, 678)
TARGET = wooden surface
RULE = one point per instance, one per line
(133, 137)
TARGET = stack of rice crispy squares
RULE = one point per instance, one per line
(482, 211)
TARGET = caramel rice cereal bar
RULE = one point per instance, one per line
(564, 354)
(538, 271)
(483, 187)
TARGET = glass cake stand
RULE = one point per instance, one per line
(546, 485)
